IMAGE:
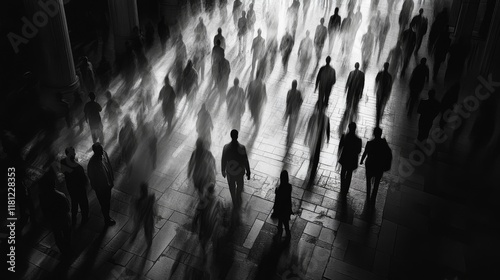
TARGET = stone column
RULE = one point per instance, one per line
(124, 17)
(57, 74)
(466, 18)
(491, 49)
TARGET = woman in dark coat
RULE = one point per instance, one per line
(283, 205)
(348, 152)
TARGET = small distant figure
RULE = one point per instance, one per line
(257, 98)
(292, 15)
(220, 37)
(305, 54)
(235, 101)
(237, 9)
(320, 38)
(428, 110)
(218, 54)
(379, 160)
(258, 49)
(101, 177)
(76, 183)
(204, 125)
(383, 88)
(293, 103)
(127, 140)
(354, 90)
(419, 24)
(201, 50)
(92, 111)
(234, 165)
(190, 82)
(167, 97)
(367, 46)
(283, 206)
(201, 29)
(406, 11)
(395, 59)
(345, 29)
(113, 109)
(251, 18)
(201, 167)
(318, 130)
(104, 72)
(409, 39)
(242, 33)
(348, 155)
(382, 35)
(324, 81)
(419, 78)
(55, 209)
(286, 46)
(163, 33)
(145, 210)
(334, 28)
(88, 75)
(224, 72)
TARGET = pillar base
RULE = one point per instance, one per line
(50, 101)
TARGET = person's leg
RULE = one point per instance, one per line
(377, 179)
(239, 189)
(84, 207)
(368, 183)
(104, 198)
(287, 228)
(280, 228)
(232, 188)
(342, 181)
(74, 208)
(347, 179)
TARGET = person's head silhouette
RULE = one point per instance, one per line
(236, 81)
(219, 31)
(259, 32)
(421, 11)
(294, 84)
(356, 65)
(423, 61)
(336, 11)
(234, 135)
(284, 177)
(97, 149)
(92, 96)
(328, 59)
(352, 127)
(243, 13)
(386, 66)
(377, 132)
(322, 20)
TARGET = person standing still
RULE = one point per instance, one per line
(283, 206)
(76, 183)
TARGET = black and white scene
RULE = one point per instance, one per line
(250, 139)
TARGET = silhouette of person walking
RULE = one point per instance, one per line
(305, 54)
(320, 38)
(318, 128)
(76, 183)
(220, 37)
(428, 110)
(419, 24)
(283, 206)
(257, 97)
(383, 88)
(167, 97)
(163, 34)
(333, 28)
(92, 112)
(234, 165)
(286, 46)
(235, 101)
(145, 210)
(382, 34)
(419, 77)
(204, 125)
(101, 177)
(348, 154)
(293, 103)
(409, 39)
(201, 167)
(354, 89)
(258, 49)
(242, 33)
(367, 46)
(378, 159)
(324, 81)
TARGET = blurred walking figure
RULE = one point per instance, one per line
(293, 103)
(234, 165)
(218, 54)
(441, 49)
(55, 209)
(419, 24)
(237, 9)
(76, 183)
(223, 9)
(242, 33)
(348, 155)
(286, 47)
(258, 49)
(92, 111)
(88, 75)
(320, 38)
(102, 179)
(438, 28)
(305, 54)
(127, 141)
(190, 82)
(428, 110)
(324, 81)
(448, 101)
(354, 89)
(404, 16)
(235, 102)
(333, 28)
(395, 59)
(145, 210)
(179, 61)
(318, 129)
(207, 221)
(345, 29)
(382, 35)
(167, 97)
(204, 125)
(201, 50)
(383, 88)
(220, 37)
(419, 78)
(292, 15)
(283, 206)
(201, 167)
(367, 46)
(305, 9)
(257, 98)
(224, 72)
(378, 156)
(163, 33)
(251, 18)
(113, 110)
(149, 36)
(408, 38)
(201, 30)
(104, 73)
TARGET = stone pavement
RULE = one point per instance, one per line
(414, 232)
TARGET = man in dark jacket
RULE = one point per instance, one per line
(76, 183)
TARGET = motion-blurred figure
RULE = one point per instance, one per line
(204, 125)
(419, 24)
(163, 33)
(383, 88)
(201, 50)
(218, 54)
(406, 12)
(251, 18)
(345, 30)
(320, 38)
(305, 54)
(283, 206)
(348, 154)
(127, 140)
(318, 130)
(286, 47)
(242, 33)
(293, 103)
(419, 77)
(237, 9)
(271, 53)
(459, 52)
(189, 82)
(438, 28)
(257, 98)
(428, 110)
(292, 16)
(201, 167)
(409, 39)
(167, 97)
(104, 72)
(367, 46)
(235, 164)
(149, 36)
(88, 75)
(92, 111)
(324, 81)
(258, 50)
(382, 34)
(235, 102)
(333, 28)
(179, 61)
(395, 59)
(354, 89)
(76, 183)
(145, 210)
(224, 72)
(220, 37)
(207, 221)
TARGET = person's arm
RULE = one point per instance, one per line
(365, 153)
(247, 164)
(341, 146)
(223, 162)
(327, 129)
(318, 79)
